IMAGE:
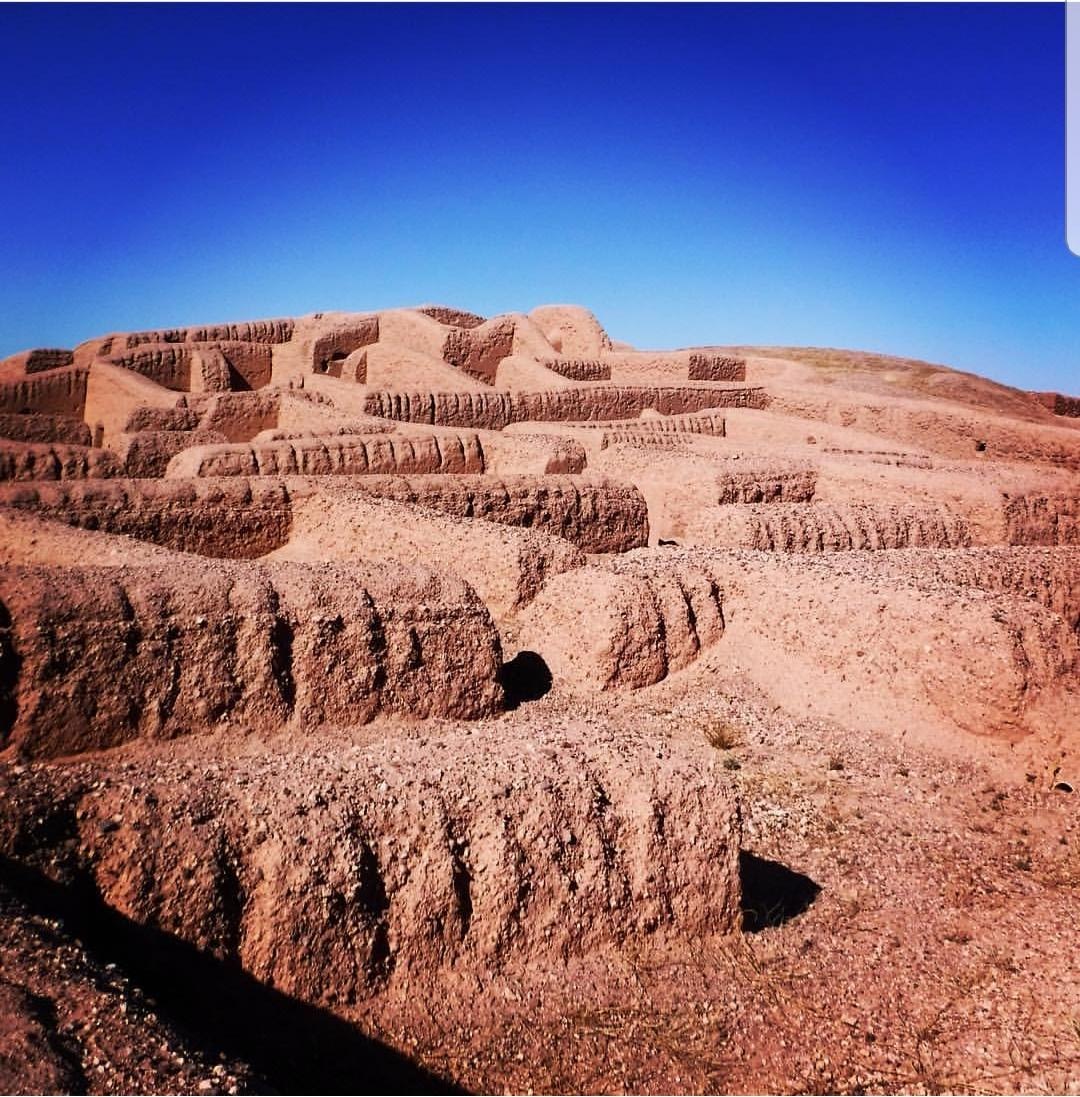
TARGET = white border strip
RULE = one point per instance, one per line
(1072, 125)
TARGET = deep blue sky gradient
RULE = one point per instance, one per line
(887, 177)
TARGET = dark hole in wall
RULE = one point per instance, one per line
(525, 678)
(772, 893)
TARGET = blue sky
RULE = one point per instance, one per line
(886, 177)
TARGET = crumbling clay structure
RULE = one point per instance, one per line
(491, 704)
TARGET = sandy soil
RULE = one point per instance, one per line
(426, 702)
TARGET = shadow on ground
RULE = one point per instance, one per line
(293, 1047)
(772, 894)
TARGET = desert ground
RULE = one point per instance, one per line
(414, 701)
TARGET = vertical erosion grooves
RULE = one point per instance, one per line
(95, 657)
(332, 875)
(595, 515)
(23, 461)
(579, 369)
(56, 392)
(231, 519)
(251, 331)
(623, 627)
(495, 410)
(342, 455)
(1042, 520)
(750, 481)
(827, 527)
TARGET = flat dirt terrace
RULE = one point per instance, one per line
(417, 701)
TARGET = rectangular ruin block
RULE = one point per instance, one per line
(57, 392)
(580, 369)
(716, 367)
(94, 657)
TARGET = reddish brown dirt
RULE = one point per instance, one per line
(416, 700)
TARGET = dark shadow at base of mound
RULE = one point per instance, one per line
(525, 678)
(293, 1047)
(772, 894)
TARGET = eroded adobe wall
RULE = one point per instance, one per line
(756, 481)
(832, 527)
(1042, 520)
(596, 515)
(34, 427)
(579, 369)
(232, 519)
(47, 461)
(624, 626)
(368, 455)
(715, 367)
(496, 410)
(1060, 404)
(451, 317)
(37, 360)
(712, 424)
(148, 453)
(478, 351)
(252, 331)
(95, 657)
(56, 392)
(395, 866)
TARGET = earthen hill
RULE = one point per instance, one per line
(368, 652)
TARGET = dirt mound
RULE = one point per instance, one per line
(1050, 576)
(505, 565)
(624, 628)
(572, 330)
(540, 454)
(905, 657)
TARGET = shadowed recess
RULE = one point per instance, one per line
(294, 1047)
(525, 678)
(772, 894)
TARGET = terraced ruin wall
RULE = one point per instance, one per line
(496, 410)
(369, 455)
(94, 657)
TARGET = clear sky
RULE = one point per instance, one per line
(885, 177)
